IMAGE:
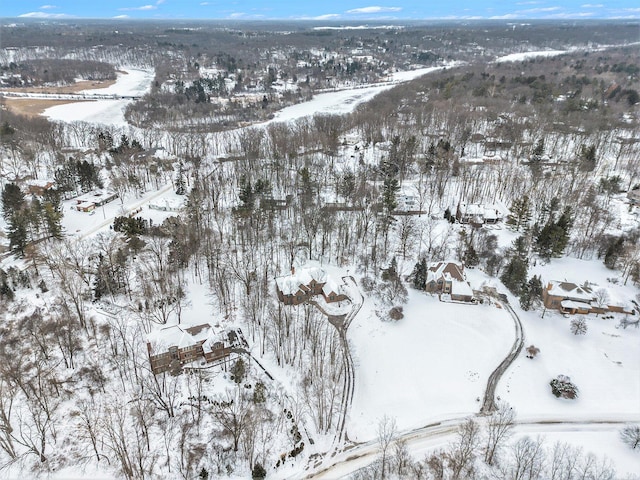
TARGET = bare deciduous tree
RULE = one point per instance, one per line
(463, 451)
(499, 426)
(386, 433)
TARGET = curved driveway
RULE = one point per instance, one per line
(489, 402)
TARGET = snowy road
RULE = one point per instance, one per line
(439, 435)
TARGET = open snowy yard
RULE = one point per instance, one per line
(604, 364)
(431, 365)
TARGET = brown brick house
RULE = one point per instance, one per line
(305, 283)
(172, 347)
(449, 278)
(567, 297)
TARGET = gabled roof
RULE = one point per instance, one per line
(331, 287)
(300, 280)
(446, 270)
(461, 288)
(570, 291)
(290, 285)
(178, 336)
(480, 210)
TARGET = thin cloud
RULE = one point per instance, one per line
(45, 15)
(328, 16)
(48, 7)
(540, 10)
(121, 17)
(142, 8)
(374, 9)
(592, 5)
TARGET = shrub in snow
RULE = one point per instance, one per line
(258, 472)
(368, 284)
(562, 387)
(578, 326)
(532, 351)
(396, 313)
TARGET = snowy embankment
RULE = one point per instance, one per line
(431, 365)
(130, 82)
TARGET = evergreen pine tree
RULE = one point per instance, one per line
(525, 297)
(12, 200)
(538, 150)
(17, 233)
(420, 275)
(390, 187)
(535, 288)
(246, 195)
(514, 275)
(471, 258)
(181, 189)
(520, 214)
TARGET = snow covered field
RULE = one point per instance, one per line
(431, 365)
(604, 363)
(132, 82)
(519, 57)
(345, 101)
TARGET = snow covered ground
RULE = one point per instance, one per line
(431, 365)
(519, 57)
(132, 82)
(345, 101)
(85, 224)
(603, 363)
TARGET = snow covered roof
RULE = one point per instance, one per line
(331, 287)
(574, 304)
(448, 270)
(570, 291)
(97, 196)
(492, 212)
(176, 336)
(461, 288)
(289, 285)
(299, 280)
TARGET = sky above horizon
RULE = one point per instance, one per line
(334, 10)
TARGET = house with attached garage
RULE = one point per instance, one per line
(567, 297)
(172, 347)
(478, 214)
(306, 283)
(449, 280)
